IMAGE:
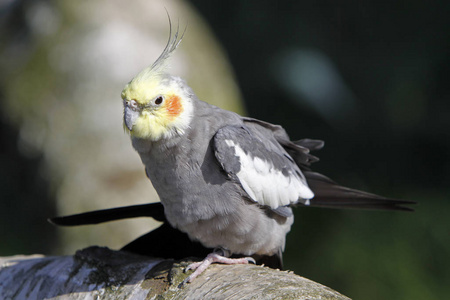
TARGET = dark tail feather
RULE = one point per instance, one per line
(153, 210)
(329, 194)
(167, 242)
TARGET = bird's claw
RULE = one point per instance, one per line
(183, 283)
(199, 267)
(192, 266)
(251, 260)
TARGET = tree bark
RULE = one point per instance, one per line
(101, 273)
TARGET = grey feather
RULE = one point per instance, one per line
(196, 177)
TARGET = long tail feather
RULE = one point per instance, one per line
(153, 210)
(329, 194)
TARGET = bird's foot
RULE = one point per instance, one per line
(199, 267)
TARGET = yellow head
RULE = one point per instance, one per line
(156, 105)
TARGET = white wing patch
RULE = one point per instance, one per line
(267, 185)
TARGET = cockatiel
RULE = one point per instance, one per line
(228, 182)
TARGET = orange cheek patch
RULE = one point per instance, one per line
(173, 106)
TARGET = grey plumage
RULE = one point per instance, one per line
(227, 181)
(200, 198)
(195, 177)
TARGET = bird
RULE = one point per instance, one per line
(227, 183)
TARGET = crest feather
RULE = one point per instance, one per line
(158, 67)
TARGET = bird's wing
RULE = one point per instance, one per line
(327, 193)
(266, 172)
(298, 150)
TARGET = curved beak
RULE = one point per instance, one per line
(130, 116)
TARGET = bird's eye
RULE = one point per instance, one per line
(159, 100)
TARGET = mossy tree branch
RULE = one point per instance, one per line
(106, 274)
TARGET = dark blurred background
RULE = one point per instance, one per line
(369, 78)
